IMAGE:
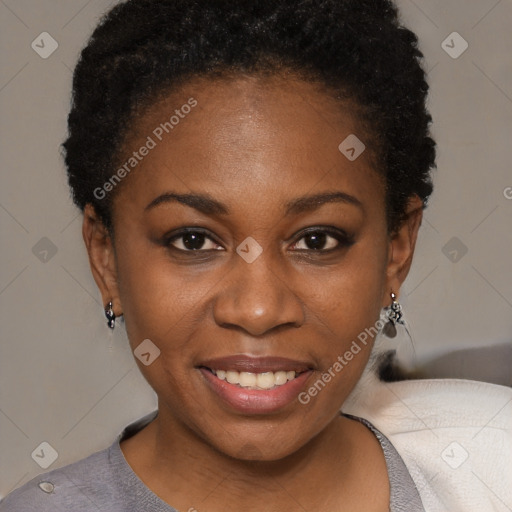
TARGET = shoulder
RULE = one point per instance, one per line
(455, 437)
(101, 481)
(71, 487)
(433, 404)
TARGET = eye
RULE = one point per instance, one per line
(322, 240)
(192, 240)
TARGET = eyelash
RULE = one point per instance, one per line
(344, 239)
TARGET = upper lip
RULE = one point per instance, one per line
(244, 363)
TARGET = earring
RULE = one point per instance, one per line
(111, 317)
(394, 316)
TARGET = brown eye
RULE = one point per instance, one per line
(192, 241)
(317, 241)
(322, 240)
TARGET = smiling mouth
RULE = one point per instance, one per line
(250, 385)
(255, 381)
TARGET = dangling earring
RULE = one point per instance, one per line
(394, 316)
(111, 317)
(402, 354)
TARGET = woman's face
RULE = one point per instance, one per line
(285, 263)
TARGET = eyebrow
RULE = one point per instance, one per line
(313, 202)
(205, 204)
(201, 202)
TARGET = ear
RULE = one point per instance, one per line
(101, 253)
(401, 247)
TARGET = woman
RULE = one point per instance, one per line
(252, 177)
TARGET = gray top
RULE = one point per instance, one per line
(105, 481)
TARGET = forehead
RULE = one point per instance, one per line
(262, 134)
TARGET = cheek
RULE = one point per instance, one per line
(160, 305)
(346, 309)
(349, 294)
(158, 301)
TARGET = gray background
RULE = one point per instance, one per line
(66, 380)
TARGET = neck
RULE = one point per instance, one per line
(190, 474)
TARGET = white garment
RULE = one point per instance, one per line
(455, 437)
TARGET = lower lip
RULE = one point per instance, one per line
(253, 401)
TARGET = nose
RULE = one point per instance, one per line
(257, 299)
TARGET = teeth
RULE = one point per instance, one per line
(247, 380)
(233, 377)
(265, 380)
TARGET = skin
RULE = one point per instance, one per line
(253, 144)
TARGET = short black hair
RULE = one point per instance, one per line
(142, 48)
